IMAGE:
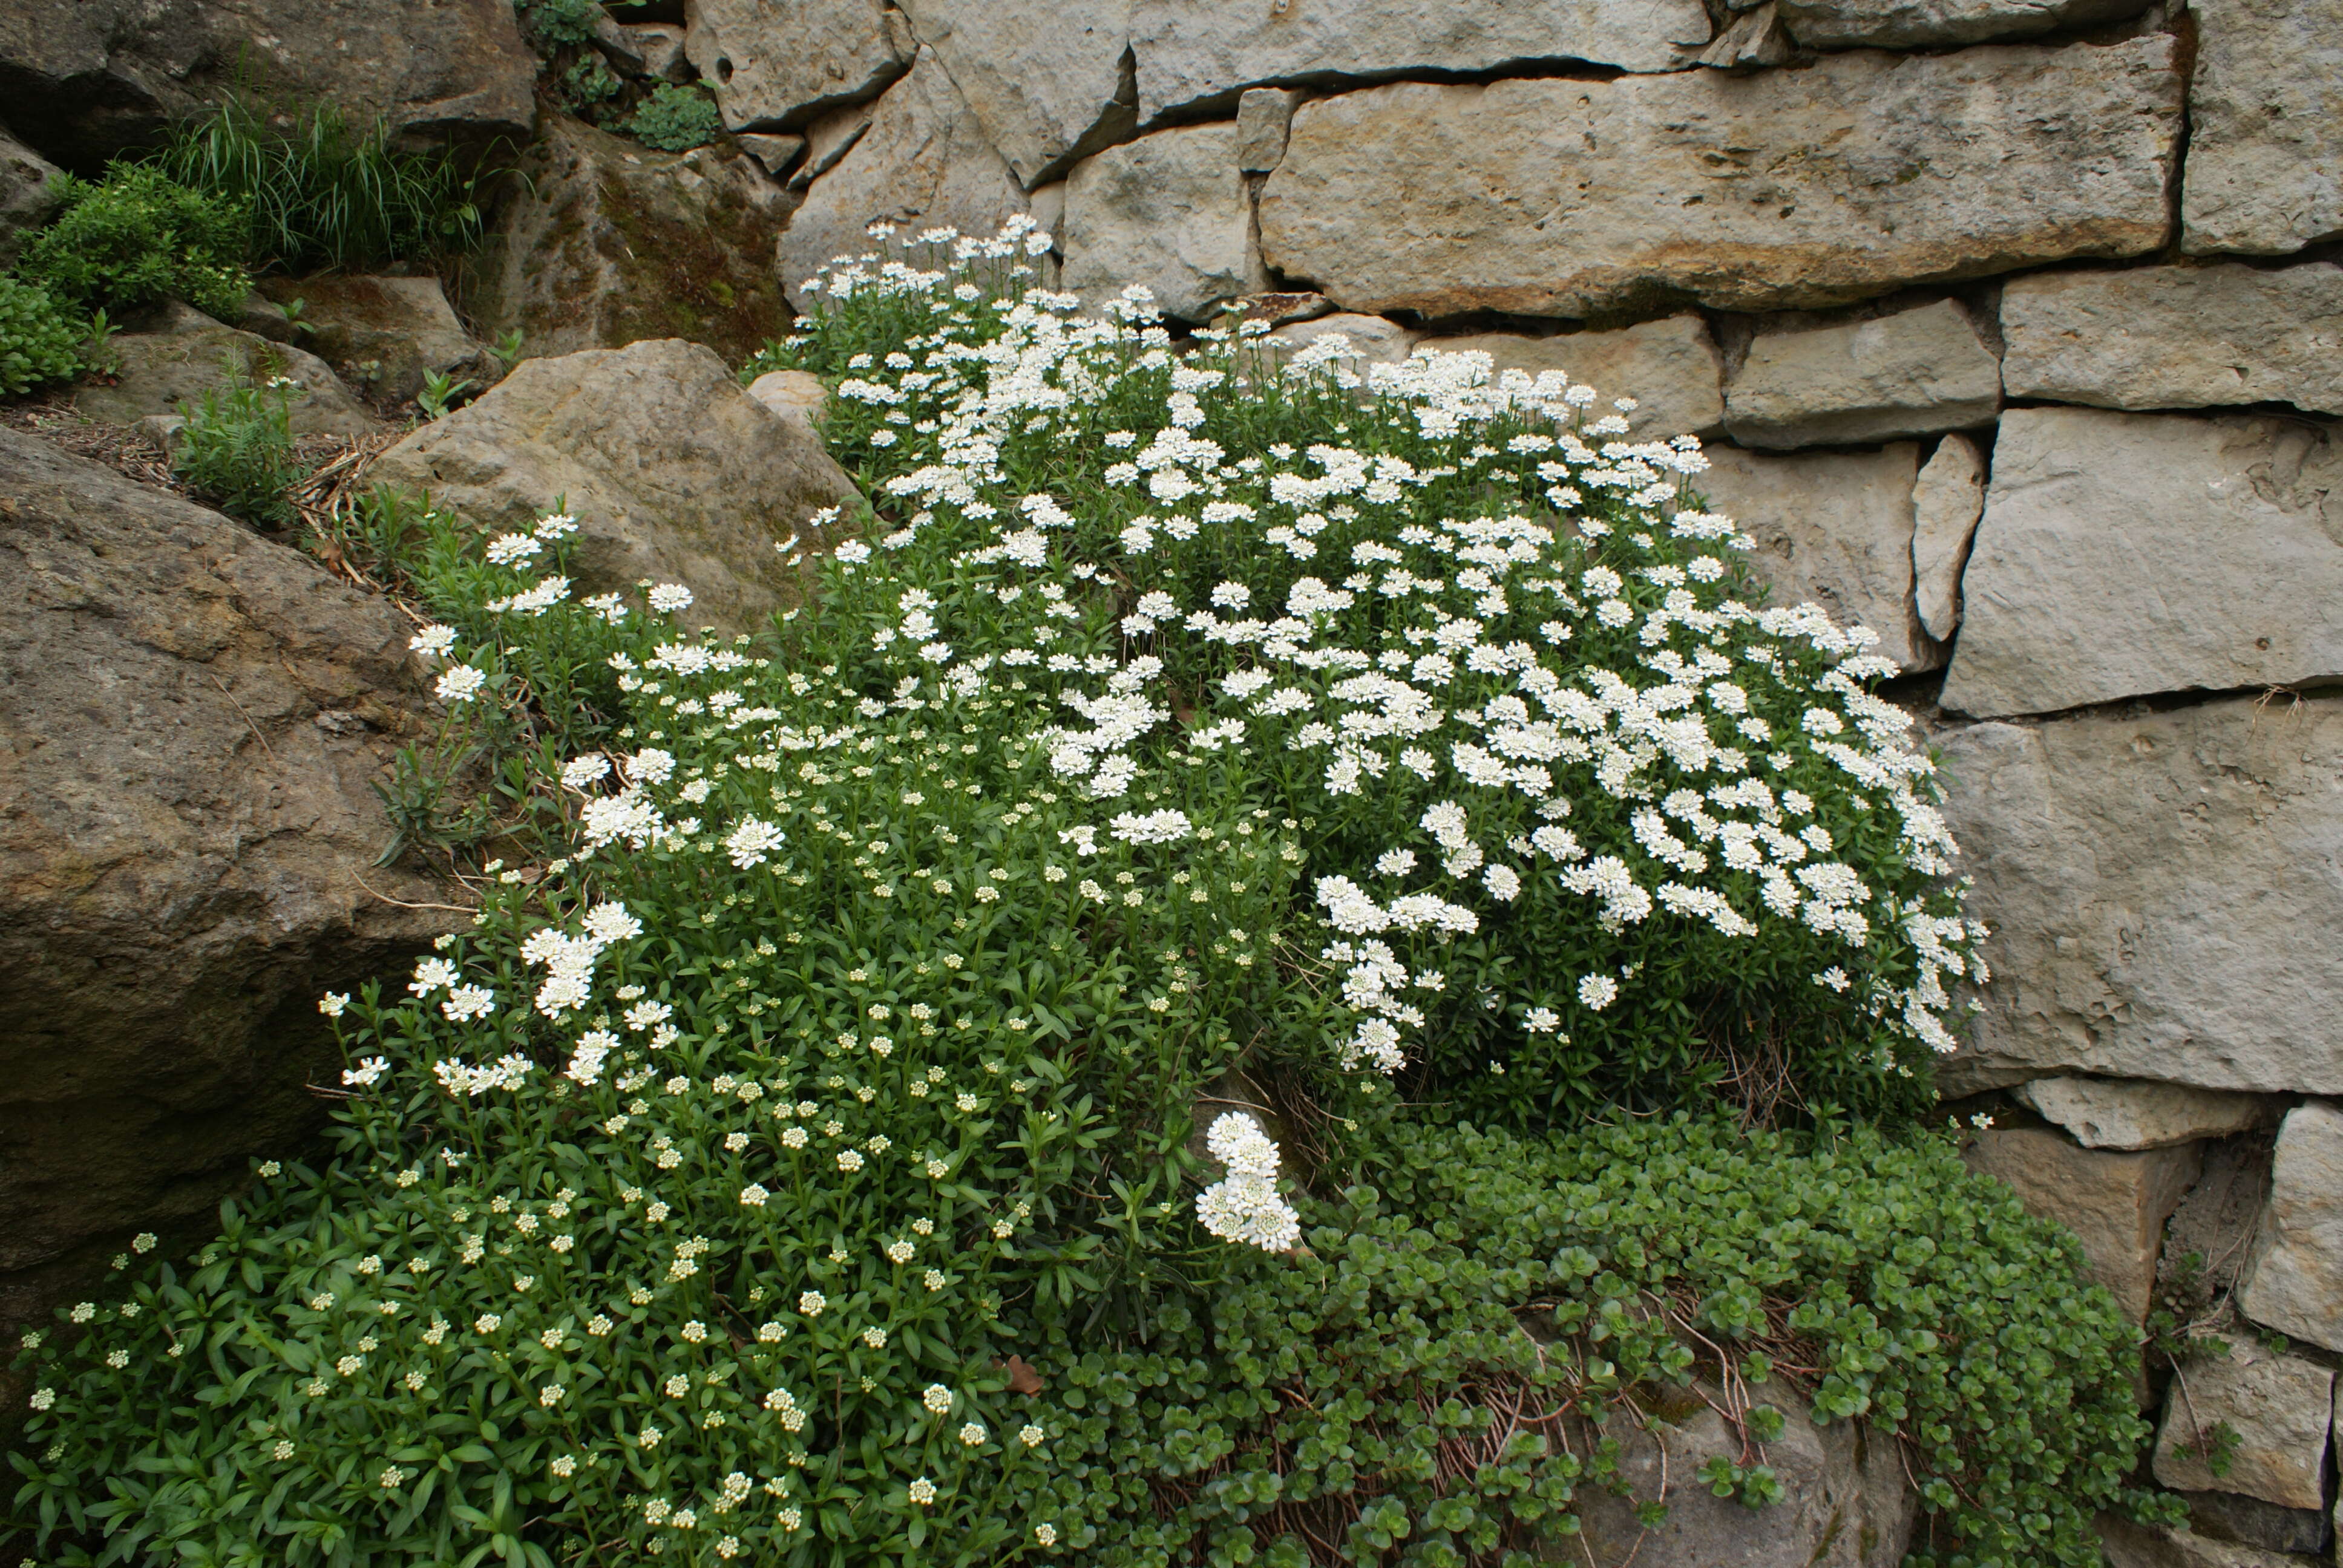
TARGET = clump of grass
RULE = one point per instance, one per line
(236, 453)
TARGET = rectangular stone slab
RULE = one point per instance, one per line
(2122, 554)
(1778, 189)
(2161, 892)
(2266, 126)
(2177, 336)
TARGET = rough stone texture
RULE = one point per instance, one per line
(1191, 56)
(1169, 211)
(2123, 554)
(2281, 1408)
(1374, 340)
(1908, 23)
(1910, 374)
(662, 50)
(2294, 1282)
(673, 472)
(2216, 1223)
(26, 199)
(2133, 1545)
(794, 395)
(1755, 38)
(2177, 336)
(187, 353)
(1948, 499)
(608, 242)
(400, 328)
(923, 163)
(1760, 191)
(829, 139)
(775, 153)
(1045, 78)
(190, 719)
(2115, 1203)
(776, 63)
(1669, 366)
(1264, 116)
(2128, 1114)
(1833, 527)
(86, 79)
(1845, 1503)
(2226, 1516)
(2265, 126)
(2161, 892)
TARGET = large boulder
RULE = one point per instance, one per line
(1669, 366)
(86, 79)
(2161, 892)
(182, 354)
(1913, 373)
(2131, 1545)
(2126, 554)
(191, 721)
(1049, 80)
(2177, 336)
(2280, 1407)
(2265, 175)
(1760, 191)
(1846, 1500)
(779, 63)
(2133, 1113)
(389, 334)
(2293, 1280)
(924, 163)
(2115, 1203)
(604, 242)
(1834, 528)
(27, 197)
(1192, 56)
(1918, 23)
(1169, 211)
(673, 472)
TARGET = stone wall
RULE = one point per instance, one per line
(2016, 332)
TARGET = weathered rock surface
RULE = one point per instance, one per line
(1948, 499)
(1169, 211)
(390, 333)
(2159, 889)
(1669, 366)
(1910, 374)
(776, 63)
(25, 198)
(2279, 1406)
(2294, 1282)
(2137, 1113)
(1845, 1501)
(1910, 23)
(1264, 116)
(1754, 38)
(2265, 171)
(190, 719)
(86, 79)
(2131, 1545)
(672, 471)
(1834, 528)
(2115, 1203)
(1190, 55)
(775, 153)
(2177, 336)
(662, 49)
(1777, 189)
(794, 395)
(1048, 80)
(187, 354)
(923, 163)
(829, 138)
(2125, 554)
(2242, 1521)
(2216, 1225)
(608, 242)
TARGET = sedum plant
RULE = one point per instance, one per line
(138, 236)
(925, 1101)
(39, 341)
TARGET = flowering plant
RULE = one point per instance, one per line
(1191, 728)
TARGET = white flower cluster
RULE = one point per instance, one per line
(1244, 1205)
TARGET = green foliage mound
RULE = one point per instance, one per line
(236, 453)
(39, 341)
(138, 236)
(676, 119)
(796, 1159)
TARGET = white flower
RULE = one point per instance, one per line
(753, 1196)
(460, 684)
(580, 772)
(511, 549)
(466, 1003)
(668, 599)
(332, 1003)
(938, 1398)
(365, 1074)
(1598, 991)
(435, 639)
(971, 1434)
(751, 842)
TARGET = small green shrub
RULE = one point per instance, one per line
(236, 453)
(676, 119)
(553, 25)
(321, 192)
(137, 237)
(39, 341)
